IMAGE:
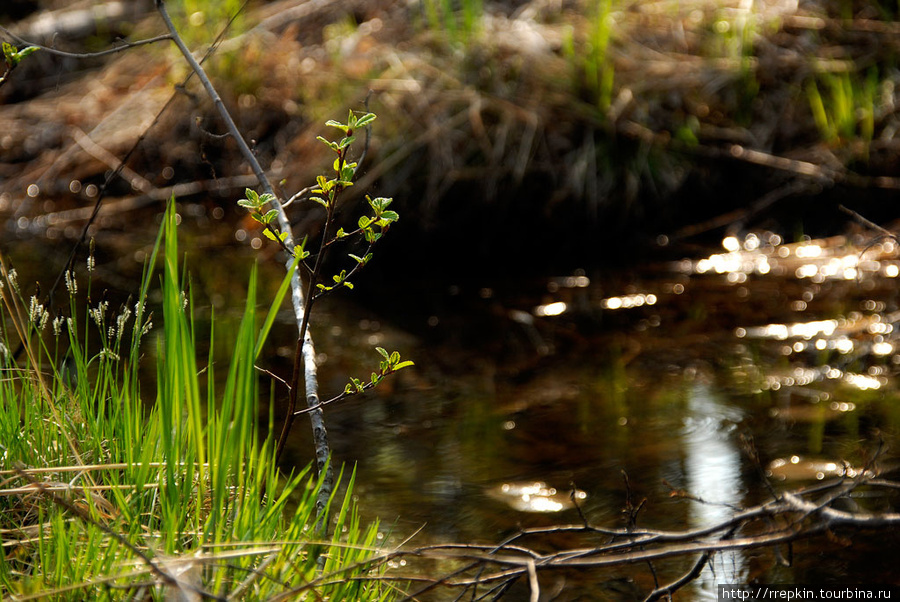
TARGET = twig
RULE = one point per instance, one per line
(273, 376)
(496, 568)
(868, 223)
(126, 45)
(117, 171)
(214, 96)
(794, 187)
(101, 154)
(305, 352)
(533, 584)
(690, 575)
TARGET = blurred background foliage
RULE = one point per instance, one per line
(590, 126)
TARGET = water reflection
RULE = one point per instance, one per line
(712, 463)
(836, 258)
(796, 468)
(535, 496)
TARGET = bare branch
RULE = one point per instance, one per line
(124, 45)
(799, 514)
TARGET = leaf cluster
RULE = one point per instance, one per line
(327, 190)
(256, 204)
(390, 363)
(13, 56)
(370, 227)
(374, 227)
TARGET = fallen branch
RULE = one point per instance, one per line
(799, 514)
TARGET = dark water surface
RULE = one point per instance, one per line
(526, 389)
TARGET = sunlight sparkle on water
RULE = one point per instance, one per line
(551, 309)
(882, 348)
(862, 381)
(781, 332)
(810, 250)
(818, 261)
(731, 244)
(535, 496)
(629, 301)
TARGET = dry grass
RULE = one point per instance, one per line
(511, 117)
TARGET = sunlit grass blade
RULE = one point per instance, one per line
(276, 305)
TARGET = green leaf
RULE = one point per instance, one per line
(332, 145)
(391, 216)
(337, 124)
(269, 234)
(383, 352)
(346, 141)
(404, 364)
(348, 284)
(26, 51)
(360, 260)
(379, 204)
(252, 196)
(270, 215)
(365, 120)
(319, 200)
(246, 203)
(340, 233)
(267, 197)
(13, 55)
(300, 251)
(364, 221)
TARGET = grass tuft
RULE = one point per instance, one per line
(105, 497)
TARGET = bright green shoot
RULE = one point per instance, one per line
(371, 227)
(845, 110)
(13, 56)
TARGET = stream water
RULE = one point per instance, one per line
(526, 390)
(622, 385)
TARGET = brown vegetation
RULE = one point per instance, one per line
(531, 119)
